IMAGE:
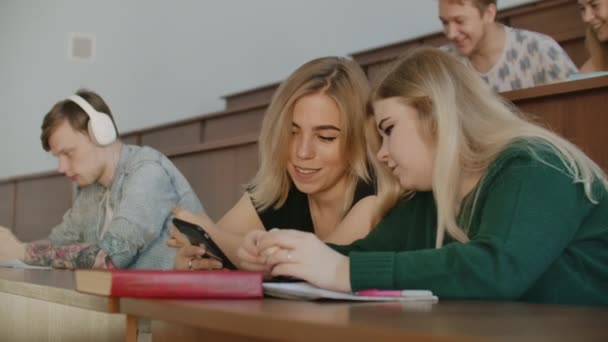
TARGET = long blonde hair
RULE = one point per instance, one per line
(342, 80)
(598, 51)
(471, 126)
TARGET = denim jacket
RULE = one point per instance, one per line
(145, 187)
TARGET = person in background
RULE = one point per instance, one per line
(595, 15)
(506, 58)
(121, 215)
(494, 207)
(314, 172)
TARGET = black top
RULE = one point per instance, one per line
(295, 213)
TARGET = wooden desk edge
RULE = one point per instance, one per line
(275, 327)
(556, 88)
(60, 295)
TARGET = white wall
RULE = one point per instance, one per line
(163, 60)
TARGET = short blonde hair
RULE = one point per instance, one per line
(471, 126)
(342, 80)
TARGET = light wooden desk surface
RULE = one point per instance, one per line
(55, 286)
(274, 319)
(43, 305)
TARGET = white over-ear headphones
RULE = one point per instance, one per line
(101, 128)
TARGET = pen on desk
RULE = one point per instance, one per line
(394, 293)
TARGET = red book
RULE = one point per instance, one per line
(170, 284)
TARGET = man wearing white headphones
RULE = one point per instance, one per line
(122, 212)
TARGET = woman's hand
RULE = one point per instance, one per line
(302, 255)
(176, 238)
(249, 258)
(191, 258)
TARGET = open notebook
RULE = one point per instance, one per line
(15, 263)
(305, 291)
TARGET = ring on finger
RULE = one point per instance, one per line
(190, 264)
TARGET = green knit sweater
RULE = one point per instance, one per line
(534, 236)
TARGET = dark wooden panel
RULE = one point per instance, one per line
(576, 50)
(579, 117)
(370, 57)
(7, 204)
(590, 122)
(174, 136)
(217, 176)
(251, 97)
(247, 164)
(438, 39)
(554, 20)
(233, 125)
(376, 71)
(40, 206)
(131, 139)
(373, 58)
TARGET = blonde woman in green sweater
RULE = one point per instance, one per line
(493, 207)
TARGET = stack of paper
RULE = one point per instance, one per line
(305, 291)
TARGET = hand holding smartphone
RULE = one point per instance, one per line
(198, 236)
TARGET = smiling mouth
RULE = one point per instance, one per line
(305, 171)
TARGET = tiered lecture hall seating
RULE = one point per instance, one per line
(217, 152)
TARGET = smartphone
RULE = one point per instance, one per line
(198, 236)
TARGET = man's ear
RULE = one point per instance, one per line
(489, 14)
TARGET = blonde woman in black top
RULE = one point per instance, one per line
(314, 171)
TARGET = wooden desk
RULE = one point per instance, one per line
(577, 110)
(42, 305)
(273, 319)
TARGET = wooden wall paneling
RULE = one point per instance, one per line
(437, 40)
(577, 51)
(173, 136)
(223, 127)
(374, 61)
(247, 163)
(212, 175)
(131, 139)
(376, 71)
(40, 205)
(218, 175)
(201, 136)
(250, 98)
(590, 122)
(381, 54)
(551, 20)
(7, 204)
(551, 113)
(578, 117)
